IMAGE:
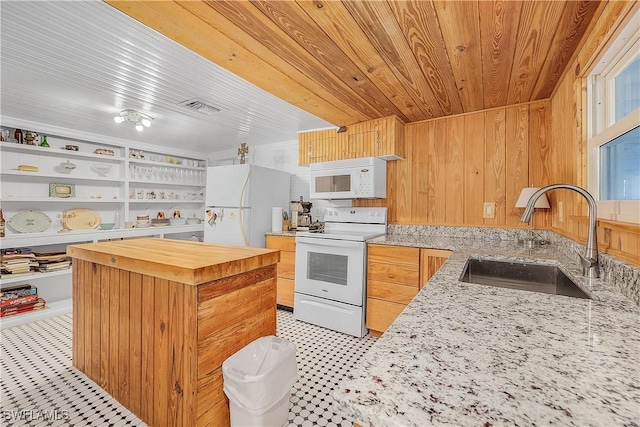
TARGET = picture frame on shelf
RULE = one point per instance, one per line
(62, 190)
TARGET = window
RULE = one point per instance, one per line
(614, 127)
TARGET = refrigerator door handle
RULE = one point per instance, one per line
(244, 187)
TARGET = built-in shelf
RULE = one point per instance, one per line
(66, 237)
(62, 177)
(34, 276)
(165, 201)
(101, 183)
(166, 183)
(55, 308)
(72, 200)
(57, 152)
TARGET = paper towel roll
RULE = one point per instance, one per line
(276, 220)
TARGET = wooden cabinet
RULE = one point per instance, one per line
(286, 267)
(395, 274)
(393, 279)
(430, 261)
(153, 329)
(374, 138)
(320, 146)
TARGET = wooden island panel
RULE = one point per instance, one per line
(157, 345)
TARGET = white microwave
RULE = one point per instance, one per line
(363, 178)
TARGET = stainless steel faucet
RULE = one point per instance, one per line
(589, 260)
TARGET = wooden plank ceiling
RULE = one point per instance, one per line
(351, 61)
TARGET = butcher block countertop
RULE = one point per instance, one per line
(182, 261)
(462, 354)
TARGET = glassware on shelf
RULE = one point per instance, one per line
(101, 170)
(65, 167)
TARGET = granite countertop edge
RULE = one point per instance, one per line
(494, 356)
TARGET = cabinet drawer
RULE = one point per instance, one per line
(284, 243)
(286, 266)
(394, 273)
(285, 292)
(394, 254)
(381, 314)
(391, 292)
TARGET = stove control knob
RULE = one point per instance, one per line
(371, 214)
(378, 214)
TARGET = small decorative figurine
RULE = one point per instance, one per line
(242, 150)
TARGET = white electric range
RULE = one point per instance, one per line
(331, 269)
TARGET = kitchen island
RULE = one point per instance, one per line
(153, 320)
(467, 354)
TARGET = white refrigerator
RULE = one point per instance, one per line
(239, 199)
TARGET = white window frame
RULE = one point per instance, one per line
(601, 125)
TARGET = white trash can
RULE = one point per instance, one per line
(258, 380)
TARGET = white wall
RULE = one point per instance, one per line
(282, 156)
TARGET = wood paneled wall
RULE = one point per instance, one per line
(456, 164)
(568, 155)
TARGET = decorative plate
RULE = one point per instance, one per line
(81, 219)
(29, 221)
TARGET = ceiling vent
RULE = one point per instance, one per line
(201, 106)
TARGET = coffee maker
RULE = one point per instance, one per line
(300, 215)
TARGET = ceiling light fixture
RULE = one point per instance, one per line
(141, 120)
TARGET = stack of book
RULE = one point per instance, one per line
(52, 261)
(19, 299)
(16, 262)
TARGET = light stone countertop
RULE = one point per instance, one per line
(464, 354)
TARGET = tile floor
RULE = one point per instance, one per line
(39, 387)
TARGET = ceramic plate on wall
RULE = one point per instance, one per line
(81, 219)
(29, 221)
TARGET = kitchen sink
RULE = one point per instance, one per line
(517, 275)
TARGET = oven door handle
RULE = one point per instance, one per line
(328, 242)
(327, 303)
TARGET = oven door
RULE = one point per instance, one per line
(332, 269)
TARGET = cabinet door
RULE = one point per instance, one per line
(400, 294)
(394, 273)
(286, 267)
(430, 261)
(318, 146)
(285, 292)
(284, 243)
(379, 138)
(404, 255)
(381, 314)
(393, 279)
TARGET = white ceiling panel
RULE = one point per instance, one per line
(76, 64)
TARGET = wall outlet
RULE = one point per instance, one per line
(561, 211)
(489, 210)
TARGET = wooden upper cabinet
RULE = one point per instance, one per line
(374, 138)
